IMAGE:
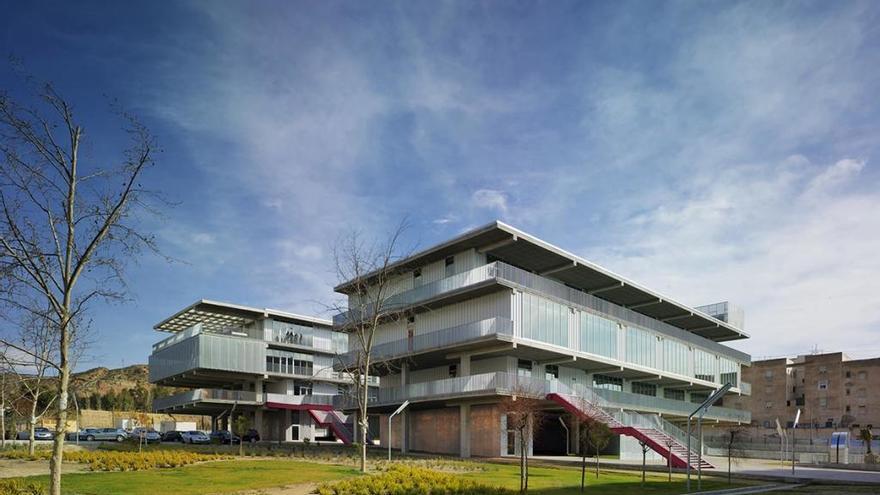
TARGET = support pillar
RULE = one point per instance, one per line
(258, 421)
(576, 434)
(404, 432)
(464, 415)
(464, 365)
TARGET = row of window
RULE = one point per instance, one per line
(547, 321)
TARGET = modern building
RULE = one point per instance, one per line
(274, 367)
(831, 390)
(496, 312)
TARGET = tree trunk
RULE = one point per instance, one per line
(583, 470)
(32, 423)
(522, 462)
(63, 386)
(364, 419)
(3, 423)
(597, 462)
(728, 465)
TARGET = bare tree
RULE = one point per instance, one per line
(67, 225)
(524, 410)
(645, 449)
(31, 370)
(733, 446)
(367, 272)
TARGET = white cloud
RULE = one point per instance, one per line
(490, 199)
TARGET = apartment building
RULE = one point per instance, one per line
(496, 312)
(274, 367)
(831, 390)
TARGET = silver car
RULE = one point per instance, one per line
(113, 434)
(195, 436)
(148, 435)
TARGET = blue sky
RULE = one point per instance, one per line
(708, 150)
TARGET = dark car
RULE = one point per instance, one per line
(39, 434)
(224, 437)
(172, 436)
(252, 436)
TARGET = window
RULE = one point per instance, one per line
(863, 375)
(524, 367)
(608, 382)
(847, 391)
(450, 265)
(417, 273)
(551, 372)
(847, 408)
(544, 320)
(453, 370)
(410, 319)
(674, 394)
(823, 402)
(675, 356)
(823, 369)
(768, 375)
(704, 365)
(823, 384)
(767, 405)
(644, 389)
(848, 374)
(641, 347)
(597, 335)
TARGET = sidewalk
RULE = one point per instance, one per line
(759, 468)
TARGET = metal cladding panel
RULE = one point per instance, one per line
(174, 359)
(428, 374)
(231, 354)
(489, 365)
(495, 305)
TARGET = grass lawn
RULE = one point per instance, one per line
(254, 474)
(211, 477)
(567, 481)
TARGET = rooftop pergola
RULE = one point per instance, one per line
(214, 315)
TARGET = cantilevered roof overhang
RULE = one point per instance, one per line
(527, 252)
(214, 315)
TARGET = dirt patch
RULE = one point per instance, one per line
(298, 489)
(13, 468)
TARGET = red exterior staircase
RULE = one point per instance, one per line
(658, 440)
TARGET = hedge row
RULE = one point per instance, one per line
(120, 460)
(409, 480)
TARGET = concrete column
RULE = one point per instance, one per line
(464, 415)
(404, 371)
(288, 425)
(576, 434)
(464, 365)
(258, 421)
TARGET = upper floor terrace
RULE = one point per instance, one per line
(498, 254)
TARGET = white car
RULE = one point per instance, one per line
(195, 436)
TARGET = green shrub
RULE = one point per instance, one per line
(20, 487)
(408, 480)
(122, 460)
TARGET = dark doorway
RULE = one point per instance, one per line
(551, 437)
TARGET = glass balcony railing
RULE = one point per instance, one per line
(438, 339)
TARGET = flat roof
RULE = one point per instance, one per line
(515, 247)
(214, 315)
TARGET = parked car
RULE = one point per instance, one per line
(39, 434)
(172, 436)
(224, 437)
(86, 432)
(113, 434)
(195, 436)
(149, 435)
(252, 436)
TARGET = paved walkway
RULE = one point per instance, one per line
(751, 467)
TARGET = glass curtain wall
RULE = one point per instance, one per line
(598, 335)
(544, 320)
(641, 347)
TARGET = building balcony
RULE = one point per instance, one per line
(215, 400)
(446, 339)
(199, 359)
(452, 289)
(505, 384)
(204, 398)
